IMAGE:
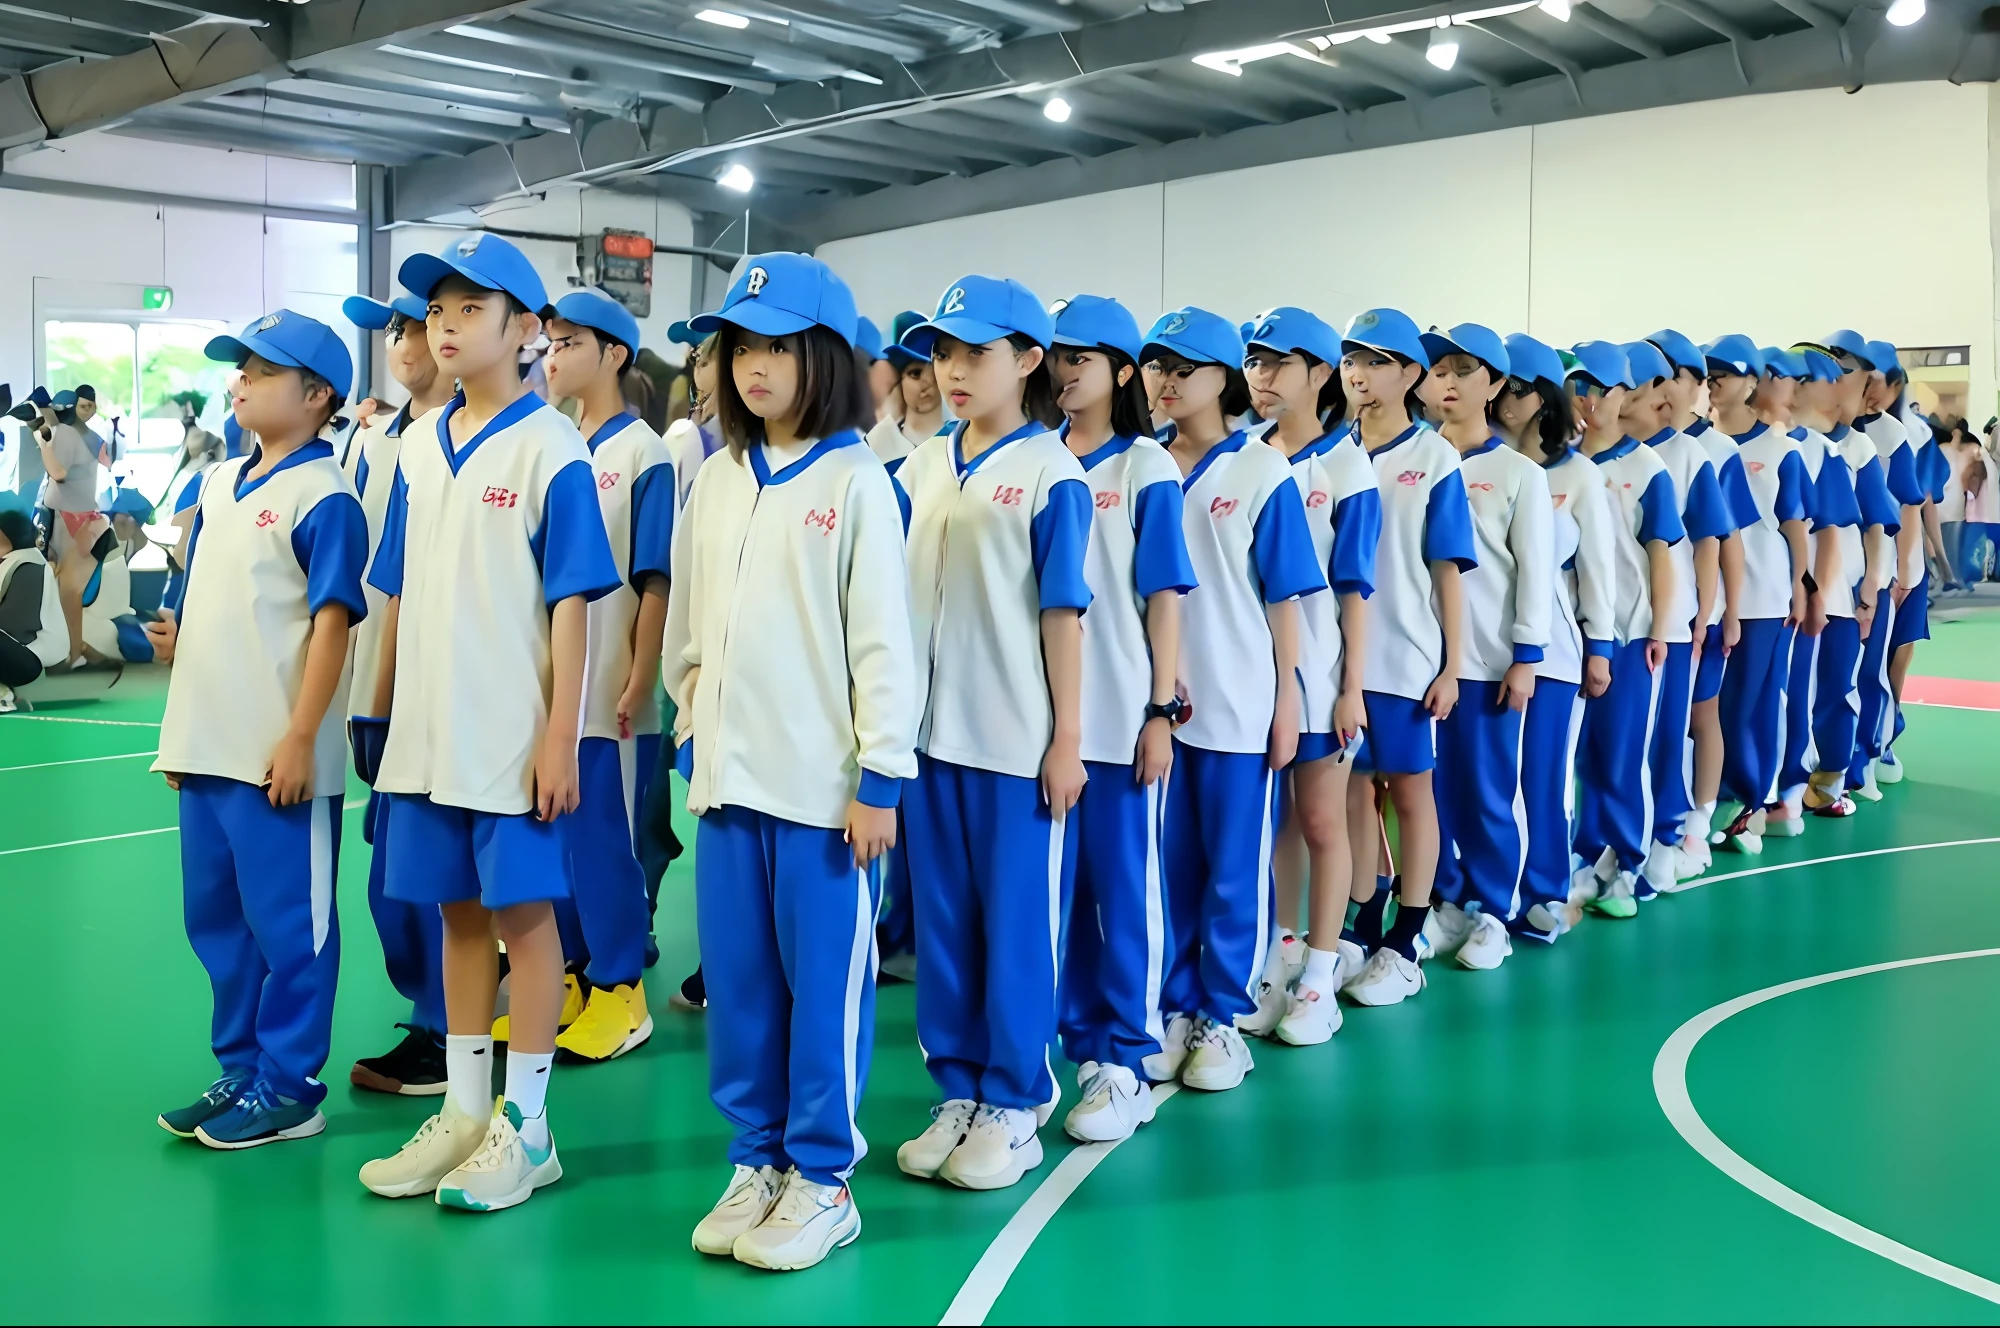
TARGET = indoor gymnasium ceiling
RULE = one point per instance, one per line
(853, 115)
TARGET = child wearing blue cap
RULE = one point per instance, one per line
(492, 547)
(1253, 556)
(592, 341)
(1534, 412)
(412, 935)
(1137, 569)
(251, 739)
(1615, 797)
(999, 528)
(1884, 418)
(791, 660)
(1509, 603)
(915, 407)
(1751, 398)
(1415, 650)
(1292, 366)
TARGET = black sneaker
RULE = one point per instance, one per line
(414, 1069)
(693, 994)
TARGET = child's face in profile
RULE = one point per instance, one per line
(271, 401)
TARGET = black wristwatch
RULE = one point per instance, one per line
(1806, 580)
(1167, 710)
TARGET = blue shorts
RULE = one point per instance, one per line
(1708, 670)
(1913, 616)
(445, 855)
(1401, 738)
(1316, 747)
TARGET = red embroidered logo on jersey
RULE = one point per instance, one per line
(499, 497)
(1108, 499)
(1222, 507)
(1480, 485)
(1007, 496)
(1754, 467)
(1561, 498)
(266, 518)
(1317, 498)
(823, 521)
(1411, 477)
(608, 480)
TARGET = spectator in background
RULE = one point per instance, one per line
(69, 455)
(641, 399)
(1979, 475)
(1950, 565)
(666, 379)
(33, 635)
(112, 633)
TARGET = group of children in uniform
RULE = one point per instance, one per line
(1112, 655)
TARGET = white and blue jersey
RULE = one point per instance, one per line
(370, 462)
(1781, 487)
(1510, 594)
(1250, 545)
(1586, 592)
(1833, 508)
(636, 489)
(1344, 516)
(1137, 549)
(1705, 514)
(1425, 519)
(1643, 499)
(1903, 475)
(1738, 501)
(480, 541)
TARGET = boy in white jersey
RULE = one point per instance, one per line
(1416, 645)
(412, 935)
(1293, 369)
(1247, 538)
(999, 520)
(791, 659)
(251, 739)
(482, 693)
(1115, 949)
(1509, 601)
(1706, 518)
(1614, 818)
(592, 338)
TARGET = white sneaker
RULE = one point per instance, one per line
(923, 1155)
(1786, 827)
(504, 1172)
(1488, 945)
(1292, 951)
(999, 1149)
(1282, 966)
(1658, 869)
(1552, 920)
(1871, 785)
(1115, 1103)
(1584, 886)
(1047, 1110)
(1312, 1018)
(1887, 771)
(1164, 1065)
(809, 1222)
(1447, 928)
(1386, 979)
(8, 705)
(748, 1200)
(1695, 857)
(1219, 1058)
(440, 1146)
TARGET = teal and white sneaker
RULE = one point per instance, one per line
(809, 1222)
(259, 1116)
(182, 1122)
(504, 1172)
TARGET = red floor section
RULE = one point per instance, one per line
(1960, 692)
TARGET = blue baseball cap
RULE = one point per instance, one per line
(374, 315)
(1849, 342)
(1533, 361)
(1681, 352)
(1091, 321)
(977, 310)
(1389, 330)
(1646, 361)
(63, 400)
(131, 502)
(1289, 329)
(1604, 363)
(1820, 366)
(1196, 335)
(1883, 356)
(781, 293)
(1783, 363)
(603, 315)
(868, 338)
(892, 345)
(684, 335)
(487, 261)
(40, 397)
(293, 340)
(1481, 343)
(1736, 354)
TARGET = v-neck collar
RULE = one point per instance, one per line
(1698, 428)
(1319, 446)
(1757, 431)
(1394, 443)
(1624, 447)
(1113, 446)
(964, 469)
(760, 465)
(1235, 442)
(1493, 440)
(1660, 437)
(610, 429)
(312, 451)
(515, 411)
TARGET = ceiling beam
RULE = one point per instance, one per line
(787, 158)
(1611, 29)
(845, 147)
(319, 107)
(385, 94)
(116, 16)
(1738, 36)
(547, 39)
(1370, 66)
(1518, 37)
(937, 136)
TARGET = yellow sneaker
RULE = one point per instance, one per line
(615, 1021)
(572, 1008)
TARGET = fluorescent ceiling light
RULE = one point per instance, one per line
(1905, 12)
(1556, 9)
(1056, 109)
(1232, 62)
(737, 178)
(1379, 36)
(722, 18)
(1443, 48)
(860, 77)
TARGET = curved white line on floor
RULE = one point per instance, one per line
(79, 760)
(100, 839)
(71, 719)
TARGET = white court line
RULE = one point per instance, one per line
(989, 1277)
(1839, 857)
(1670, 1087)
(81, 760)
(70, 719)
(100, 839)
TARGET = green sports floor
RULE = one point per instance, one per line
(1495, 1150)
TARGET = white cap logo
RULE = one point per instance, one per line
(755, 282)
(269, 321)
(1058, 306)
(468, 246)
(1269, 328)
(954, 302)
(1175, 323)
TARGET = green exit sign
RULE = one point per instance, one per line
(158, 297)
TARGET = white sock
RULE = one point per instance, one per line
(1319, 971)
(528, 1089)
(468, 1066)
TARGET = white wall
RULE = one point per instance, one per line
(1737, 215)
